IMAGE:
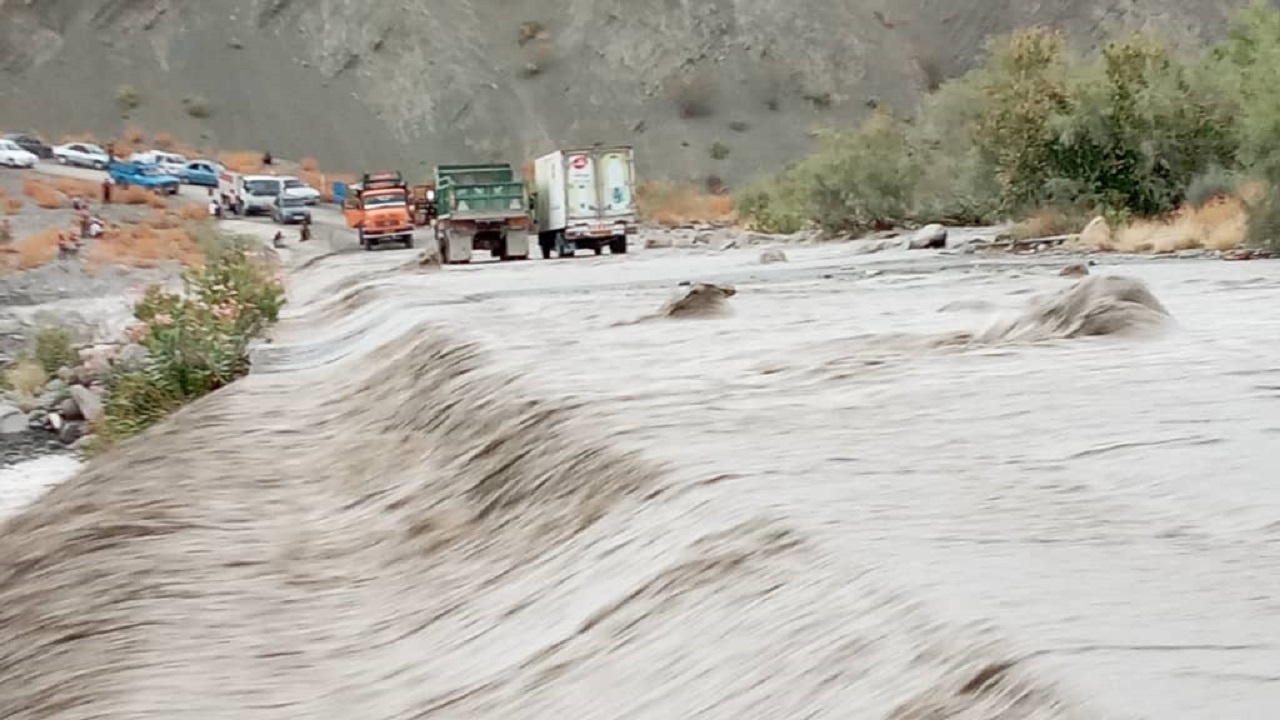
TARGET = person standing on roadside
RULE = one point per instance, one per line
(106, 190)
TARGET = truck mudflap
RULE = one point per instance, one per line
(517, 245)
(455, 245)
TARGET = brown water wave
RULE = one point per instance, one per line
(408, 534)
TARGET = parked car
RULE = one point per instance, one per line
(82, 154)
(296, 188)
(202, 172)
(170, 163)
(150, 177)
(31, 144)
(290, 209)
(12, 155)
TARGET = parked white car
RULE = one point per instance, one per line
(14, 156)
(82, 154)
(293, 187)
(171, 163)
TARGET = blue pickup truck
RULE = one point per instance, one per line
(144, 175)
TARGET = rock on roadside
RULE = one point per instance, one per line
(88, 401)
(1097, 234)
(13, 420)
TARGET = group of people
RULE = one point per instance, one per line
(88, 226)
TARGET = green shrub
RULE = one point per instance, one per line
(718, 150)
(1210, 185)
(1132, 131)
(54, 350)
(1264, 221)
(197, 341)
(128, 98)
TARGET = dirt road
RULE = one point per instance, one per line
(850, 516)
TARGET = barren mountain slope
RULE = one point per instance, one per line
(413, 82)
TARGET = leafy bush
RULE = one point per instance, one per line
(197, 106)
(718, 150)
(54, 350)
(26, 376)
(1263, 229)
(197, 341)
(1212, 184)
(128, 98)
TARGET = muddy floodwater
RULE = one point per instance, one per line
(853, 515)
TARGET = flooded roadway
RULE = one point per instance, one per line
(853, 521)
(1111, 505)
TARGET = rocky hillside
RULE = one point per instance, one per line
(361, 83)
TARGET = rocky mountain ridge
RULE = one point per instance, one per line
(704, 88)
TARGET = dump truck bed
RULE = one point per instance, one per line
(479, 192)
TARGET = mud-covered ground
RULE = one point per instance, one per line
(874, 498)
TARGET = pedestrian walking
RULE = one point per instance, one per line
(106, 190)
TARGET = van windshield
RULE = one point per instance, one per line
(262, 187)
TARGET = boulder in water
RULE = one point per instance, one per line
(768, 256)
(929, 237)
(1074, 270)
(1097, 305)
(701, 300)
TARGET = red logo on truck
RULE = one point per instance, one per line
(579, 162)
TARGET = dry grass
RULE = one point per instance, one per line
(77, 188)
(36, 250)
(27, 377)
(1047, 223)
(163, 141)
(194, 212)
(43, 194)
(134, 136)
(1219, 225)
(80, 138)
(310, 164)
(673, 205)
(12, 206)
(134, 195)
(243, 162)
(145, 245)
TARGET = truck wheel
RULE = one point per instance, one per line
(408, 240)
(546, 241)
(598, 248)
(618, 245)
(364, 242)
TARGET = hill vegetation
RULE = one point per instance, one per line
(1136, 130)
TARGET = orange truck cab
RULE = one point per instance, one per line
(378, 208)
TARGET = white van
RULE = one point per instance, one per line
(257, 193)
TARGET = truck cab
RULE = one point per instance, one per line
(378, 209)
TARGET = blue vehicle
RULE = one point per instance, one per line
(202, 172)
(146, 176)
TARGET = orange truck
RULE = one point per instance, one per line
(378, 208)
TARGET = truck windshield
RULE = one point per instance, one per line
(384, 200)
(262, 187)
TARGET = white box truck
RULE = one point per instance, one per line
(585, 198)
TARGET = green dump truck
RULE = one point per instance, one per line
(481, 207)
